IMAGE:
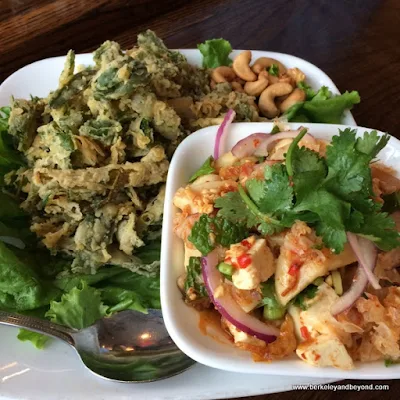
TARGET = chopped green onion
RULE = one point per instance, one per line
(273, 313)
(225, 269)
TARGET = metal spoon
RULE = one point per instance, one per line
(127, 347)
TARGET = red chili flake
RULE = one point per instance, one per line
(304, 332)
(303, 355)
(294, 269)
(244, 260)
(256, 142)
(246, 244)
(246, 169)
(317, 357)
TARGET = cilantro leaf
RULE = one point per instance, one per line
(274, 194)
(233, 208)
(332, 213)
(348, 160)
(79, 308)
(371, 144)
(194, 278)
(205, 169)
(215, 53)
(273, 70)
(379, 228)
(238, 207)
(309, 170)
(207, 232)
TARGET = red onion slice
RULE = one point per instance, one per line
(258, 144)
(366, 253)
(228, 307)
(350, 297)
(247, 146)
(222, 131)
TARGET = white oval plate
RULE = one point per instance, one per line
(56, 373)
(182, 321)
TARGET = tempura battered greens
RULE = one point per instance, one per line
(97, 149)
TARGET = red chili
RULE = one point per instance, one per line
(246, 244)
(304, 332)
(244, 260)
(256, 142)
(294, 269)
(317, 357)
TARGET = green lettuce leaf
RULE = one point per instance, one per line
(119, 299)
(37, 339)
(79, 308)
(215, 53)
(147, 287)
(19, 283)
(323, 107)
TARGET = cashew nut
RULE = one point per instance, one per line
(296, 74)
(266, 103)
(263, 63)
(237, 87)
(241, 66)
(256, 88)
(223, 74)
(296, 96)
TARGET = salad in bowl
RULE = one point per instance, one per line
(292, 243)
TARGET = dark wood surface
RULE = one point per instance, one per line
(356, 42)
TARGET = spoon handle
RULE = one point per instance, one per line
(37, 325)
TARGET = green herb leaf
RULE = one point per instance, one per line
(273, 70)
(205, 169)
(309, 170)
(194, 278)
(308, 293)
(207, 232)
(332, 213)
(274, 194)
(215, 53)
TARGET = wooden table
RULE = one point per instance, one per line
(356, 42)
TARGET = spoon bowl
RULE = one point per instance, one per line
(128, 347)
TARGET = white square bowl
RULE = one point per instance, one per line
(182, 321)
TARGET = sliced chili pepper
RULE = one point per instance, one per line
(244, 260)
(294, 269)
(246, 244)
(304, 332)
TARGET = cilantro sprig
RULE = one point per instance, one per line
(334, 195)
